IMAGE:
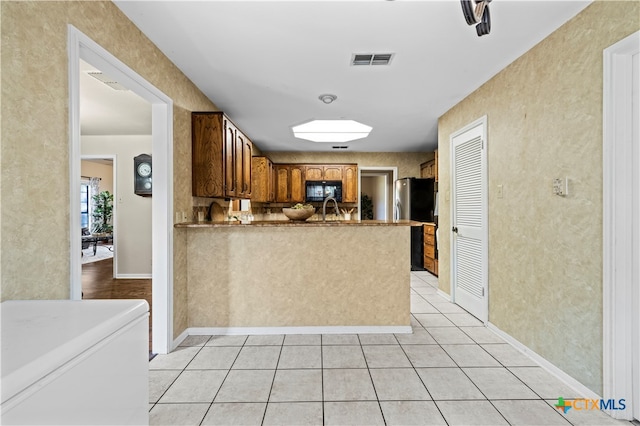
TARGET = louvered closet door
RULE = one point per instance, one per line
(469, 248)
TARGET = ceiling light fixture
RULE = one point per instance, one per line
(335, 131)
(327, 98)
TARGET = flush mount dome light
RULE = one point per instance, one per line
(328, 98)
(331, 130)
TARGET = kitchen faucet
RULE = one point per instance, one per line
(324, 207)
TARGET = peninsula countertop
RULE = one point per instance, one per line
(313, 223)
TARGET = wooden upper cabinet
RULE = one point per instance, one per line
(323, 171)
(350, 183)
(247, 172)
(262, 180)
(429, 169)
(221, 157)
(297, 184)
(290, 185)
(208, 155)
(333, 172)
(314, 172)
(435, 167)
(229, 159)
(283, 173)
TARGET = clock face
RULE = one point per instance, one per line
(144, 169)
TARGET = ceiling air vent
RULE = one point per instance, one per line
(371, 58)
(339, 147)
(98, 75)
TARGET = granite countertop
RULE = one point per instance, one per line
(280, 223)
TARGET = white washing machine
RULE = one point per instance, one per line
(75, 362)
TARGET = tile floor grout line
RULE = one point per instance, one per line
(273, 380)
(179, 374)
(373, 385)
(225, 377)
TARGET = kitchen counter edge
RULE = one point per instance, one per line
(286, 223)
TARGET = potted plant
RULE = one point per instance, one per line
(366, 205)
(102, 212)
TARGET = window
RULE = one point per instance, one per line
(84, 204)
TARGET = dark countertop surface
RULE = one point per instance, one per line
(280, 223)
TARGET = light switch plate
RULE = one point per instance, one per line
(500, 191)
(560, 186)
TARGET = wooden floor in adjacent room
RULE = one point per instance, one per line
(98, 283)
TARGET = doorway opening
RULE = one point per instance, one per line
(376, 192)
(81, 47)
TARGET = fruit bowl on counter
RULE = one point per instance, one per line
(299, 212)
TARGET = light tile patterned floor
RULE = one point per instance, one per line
(450, 371)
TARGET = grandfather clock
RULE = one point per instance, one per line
(142, 173)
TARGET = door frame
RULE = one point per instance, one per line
(482, 121)
(390, 197)
(82, 47)
(617, 245)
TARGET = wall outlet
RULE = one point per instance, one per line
(561, 186)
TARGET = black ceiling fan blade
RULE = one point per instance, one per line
(484, 27)
(468, 10)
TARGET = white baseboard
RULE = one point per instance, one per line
(134, 276)
(445, 295)
(179, 339)
(558, 373)
(224, 331)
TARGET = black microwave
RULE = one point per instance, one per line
(321, 189)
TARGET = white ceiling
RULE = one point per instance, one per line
(266, 62)
(106, 111)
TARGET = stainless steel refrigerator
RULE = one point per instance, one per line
(415, 200)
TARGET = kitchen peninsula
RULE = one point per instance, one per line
(298, 277)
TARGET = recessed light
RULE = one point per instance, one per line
(336, 131)
(327, 98)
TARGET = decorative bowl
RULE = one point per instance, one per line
(299, 214)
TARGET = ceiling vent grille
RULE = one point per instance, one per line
(98, 75)
(339, 147)
(371, 58)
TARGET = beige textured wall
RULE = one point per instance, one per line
(103, 171)
(408, 163)
(298, 276)
(545, 252)
(34, 228)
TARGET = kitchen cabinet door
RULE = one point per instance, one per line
(243, 168)
(208, 153)
(297, 184)
(333, 172)
(313, 172)
(230, 176)
(282, 183)
(350, 184)
(262, 180)
(435, 173)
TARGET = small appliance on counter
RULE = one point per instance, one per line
(415, 200)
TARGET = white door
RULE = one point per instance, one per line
(469, 224)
